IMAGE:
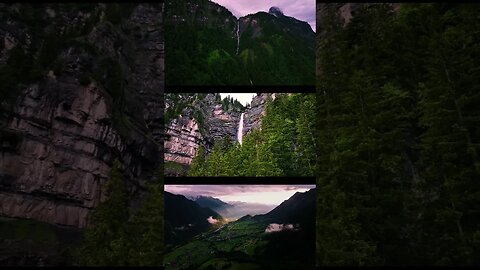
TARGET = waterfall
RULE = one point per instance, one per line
(238, 37)
(240, 129)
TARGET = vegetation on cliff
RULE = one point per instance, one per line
(398, 136)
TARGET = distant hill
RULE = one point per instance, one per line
(212, 203)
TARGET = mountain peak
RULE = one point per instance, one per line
(276, 11)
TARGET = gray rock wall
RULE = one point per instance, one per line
(60, 136)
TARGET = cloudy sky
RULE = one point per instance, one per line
(303, 10)
(261, 194)
(243, 98)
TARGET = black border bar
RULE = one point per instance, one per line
(235, 180)
(240, 89)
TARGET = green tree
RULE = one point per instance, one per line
(214, 162)
(147, 228)
(105, 242)
(197, 167)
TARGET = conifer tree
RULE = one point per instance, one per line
(105, 241)
(197, 167)
(147, 228)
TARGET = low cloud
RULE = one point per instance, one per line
(275, 227)
(211, 220)
(240, 209)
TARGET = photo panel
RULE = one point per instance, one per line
(240, 134)
(245, 43)
(235, 225)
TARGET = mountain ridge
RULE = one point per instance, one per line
(299, 208)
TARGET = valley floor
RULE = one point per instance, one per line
(235, 245)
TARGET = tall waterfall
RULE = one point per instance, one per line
(240, 129)
(238, 37)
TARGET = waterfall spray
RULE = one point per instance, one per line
(238, 37)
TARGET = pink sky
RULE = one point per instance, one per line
(263, 194)
(303, 10)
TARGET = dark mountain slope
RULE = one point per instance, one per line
(277, 49)
(300, 208)
(212, 203)
(185, 218)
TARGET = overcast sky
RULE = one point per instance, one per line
(303, 10)
(243, 98)
(264, 194)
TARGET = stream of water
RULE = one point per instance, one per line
(238, 37)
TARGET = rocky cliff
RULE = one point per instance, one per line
(89, 91)
(201, 119)
(253, 114)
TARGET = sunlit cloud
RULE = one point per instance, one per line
(212, 220)
(274, 227)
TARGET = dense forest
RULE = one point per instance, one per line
(122, 235)
(283, 146)
(399, 136)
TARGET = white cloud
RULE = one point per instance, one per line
(211, 220)
(240, 209)
(275, 227)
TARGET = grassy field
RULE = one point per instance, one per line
(243, 244)
(217, 248)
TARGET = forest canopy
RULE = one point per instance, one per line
(399, 136)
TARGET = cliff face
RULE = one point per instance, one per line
(253, 115)
(184, 139)
(201, 122)
(96, 99)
